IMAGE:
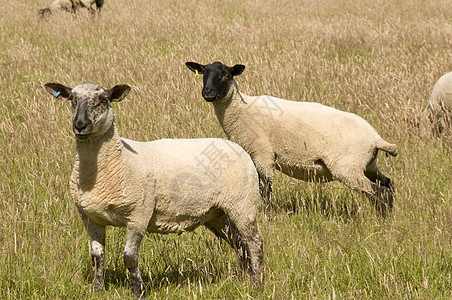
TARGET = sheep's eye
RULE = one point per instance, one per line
(101, 100)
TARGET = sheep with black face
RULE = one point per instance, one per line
(162, 186)
(304, 140)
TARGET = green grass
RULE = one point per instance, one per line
(377, 59)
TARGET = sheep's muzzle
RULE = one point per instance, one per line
(82, 126)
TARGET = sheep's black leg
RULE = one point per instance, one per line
(382, 195)
(265, 187)
(99, 5)
(383, 191)
(383, 198)
(131, 252)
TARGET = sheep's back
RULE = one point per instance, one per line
(311, 123)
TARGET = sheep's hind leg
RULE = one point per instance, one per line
(382, 186)
(246, 242)
(97, 234)
(223, 228)
(131, 252)
(383, 198)
(254, 254)
(380, 196)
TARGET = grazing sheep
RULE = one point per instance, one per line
(304, 140)
(439, 108)
(163, 186)
(72, 6)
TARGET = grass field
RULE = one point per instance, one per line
(378, 59)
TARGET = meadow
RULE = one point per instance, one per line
(378, 59)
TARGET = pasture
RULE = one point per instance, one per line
(378, 59)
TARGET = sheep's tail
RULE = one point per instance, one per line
(387, 147)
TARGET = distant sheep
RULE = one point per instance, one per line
(163, 186)
(72, 6)
(304, 140)
(439, 109)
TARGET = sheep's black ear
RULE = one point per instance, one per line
(195, 67)
(58, 90)
(118, 92)
(237, 70)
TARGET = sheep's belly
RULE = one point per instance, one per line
(178, 223)
(316, 172)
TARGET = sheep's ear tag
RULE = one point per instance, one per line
(57, 94)
(196, 72)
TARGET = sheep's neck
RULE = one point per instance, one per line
(230, 111)
(98, 159)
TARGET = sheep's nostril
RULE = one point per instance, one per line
(207, 91)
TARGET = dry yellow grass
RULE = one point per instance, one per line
(378, 59)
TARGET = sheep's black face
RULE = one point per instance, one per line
(91, 114)
(217, 79)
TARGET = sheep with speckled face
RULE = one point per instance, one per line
(304, 140)
(72, 6)
(439, 109)
(162, 186)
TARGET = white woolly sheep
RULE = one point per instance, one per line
(163, 186)
(304, 140)
(72, 6)
(439, 108)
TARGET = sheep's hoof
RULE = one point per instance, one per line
(139, 292)
(98, 286)
(140, 295)
(258, 279)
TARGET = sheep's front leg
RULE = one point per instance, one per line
(97, 234)
(265, 163)
(131, 251)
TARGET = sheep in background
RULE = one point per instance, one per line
(304, 140)
(439, 109)
(163, 186)
(72, 6)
